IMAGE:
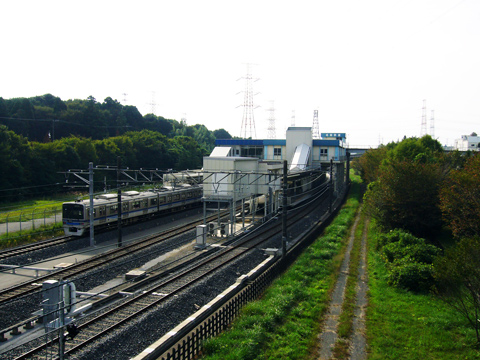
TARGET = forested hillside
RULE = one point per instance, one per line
(44, 135)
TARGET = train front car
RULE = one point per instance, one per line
(73, 216)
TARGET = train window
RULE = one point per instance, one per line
(183, 196)
(176, 197)
(169, 199)
(162, 200)
(153, 201)
(101, 211)
(113, 209)
(136, 205)
(145, 203)
(73, 211)
(125, 206)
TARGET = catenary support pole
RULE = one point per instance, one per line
(90, 185)
(119, 203)
(284, 210)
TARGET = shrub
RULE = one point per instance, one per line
(409, 260)
(410, 275)
(420, 252)
(394, 236)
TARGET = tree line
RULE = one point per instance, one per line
(47, 118)
(43, 135)
(418, 196)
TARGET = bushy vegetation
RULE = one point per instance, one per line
(44, 135)
(415, 187)
(47, 117)
(408, 260)
(407, 325)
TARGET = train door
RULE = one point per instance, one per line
(101, 214)
(125, 209)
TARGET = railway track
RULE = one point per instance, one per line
(40, 245)
(157, 291)
(77, 269)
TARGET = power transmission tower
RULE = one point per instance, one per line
(248, 121)
(292, 123)
(124, 98)
(432, 126)
(271, 121)
(315, 127)
(423, 130)
(153, 104)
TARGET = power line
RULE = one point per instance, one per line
(31, 187)
(66, 122)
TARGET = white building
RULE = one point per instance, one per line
(468, 142)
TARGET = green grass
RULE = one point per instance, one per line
(30, 236)
(28, 210)
(285, 322)
(403, 325)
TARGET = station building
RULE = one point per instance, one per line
(331, 146)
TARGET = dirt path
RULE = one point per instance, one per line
(359, 342)
(328, 337)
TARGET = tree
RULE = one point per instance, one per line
(458, 279)
(189, 154)
(406, 197)
(404, 194)
(222, 134)
(460, 199)
(368, 165)
(151, 149)
(15, 155)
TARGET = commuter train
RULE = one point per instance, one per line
(135, 206)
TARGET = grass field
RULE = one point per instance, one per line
(28, 210)
(404, 325)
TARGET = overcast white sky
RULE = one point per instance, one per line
(366, 65)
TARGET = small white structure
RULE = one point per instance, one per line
(237, 178)
(468, 142)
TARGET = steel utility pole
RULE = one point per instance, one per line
(90, 181)
(284, 210)
(119, 203)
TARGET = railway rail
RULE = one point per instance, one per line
(156, 289)
(40, 245)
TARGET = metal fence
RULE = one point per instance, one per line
(16, 223)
